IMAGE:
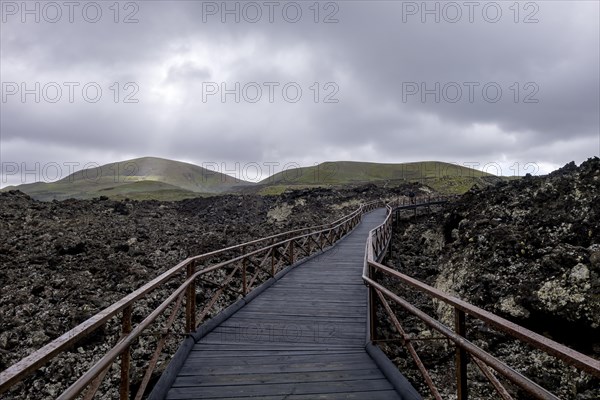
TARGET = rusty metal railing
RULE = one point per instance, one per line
(250, 264)
(377, 243)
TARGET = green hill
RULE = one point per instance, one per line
(161, 179)
(344, 172)
(445, 177)
(147, 177)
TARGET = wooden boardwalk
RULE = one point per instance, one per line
(302, 338)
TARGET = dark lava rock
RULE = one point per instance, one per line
(63, 261)
(527, 250)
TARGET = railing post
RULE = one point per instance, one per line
(291, 252)
(272, 257)
(244, 266)
(126, 355)
(372, 308)
(461, 356)
(190, 301)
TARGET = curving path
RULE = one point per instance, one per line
(302, 338)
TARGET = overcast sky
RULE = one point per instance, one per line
(474, 83)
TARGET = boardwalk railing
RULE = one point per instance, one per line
(237, 270)
(377, 243)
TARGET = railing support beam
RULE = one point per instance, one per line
(372, 308)
(190, 301)
(272, 258)
(126, 355)
(291, 252)
(244, 278)
(461, 356)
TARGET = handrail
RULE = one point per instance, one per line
(377, 243)
(309, 240)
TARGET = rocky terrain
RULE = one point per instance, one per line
(529, 251)
(62, 262)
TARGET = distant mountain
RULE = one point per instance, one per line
(147, 177)
(445, 177)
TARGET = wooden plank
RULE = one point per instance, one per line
(340, 309)
(224, 354)
(281, 359)
(301, 303)
(327, 279)
(283, 326)
(230, 350)
(317, 313)
(355, 336)
(317, 287)
(284, 377)
(358, 309)
(280, 326)
(278, 319)
(286, 297)
(279, 389)
(205, 342)
(332, 302)
(282, 303)
(293, 293)
(323, 285)
(372, 395)
(303, 316)
(193, 368)
(287, 328)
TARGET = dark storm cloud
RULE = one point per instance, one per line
(368, 61)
